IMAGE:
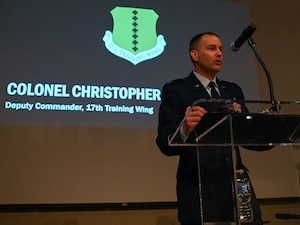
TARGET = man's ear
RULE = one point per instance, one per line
(194, 55)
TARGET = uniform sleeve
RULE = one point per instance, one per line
(171, 113)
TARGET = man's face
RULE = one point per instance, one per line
(208, 56)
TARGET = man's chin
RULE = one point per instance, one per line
(217, 69)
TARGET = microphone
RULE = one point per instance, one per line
(245, 35)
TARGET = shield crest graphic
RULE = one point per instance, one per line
(134, 35)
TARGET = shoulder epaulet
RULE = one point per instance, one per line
(176, 80)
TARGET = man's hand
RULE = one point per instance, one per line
(237, 107)
(193, 116)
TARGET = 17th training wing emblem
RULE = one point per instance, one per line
(134, 37)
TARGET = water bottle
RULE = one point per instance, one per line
(244, 197)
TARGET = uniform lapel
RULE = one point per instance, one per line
(223, 90)
(199, 90)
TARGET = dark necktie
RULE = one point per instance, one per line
(213, 91)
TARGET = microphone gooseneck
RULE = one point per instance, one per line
(275, 106)
(235, 46)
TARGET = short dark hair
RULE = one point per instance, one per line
(195, 39)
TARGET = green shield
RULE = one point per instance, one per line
(134, 29)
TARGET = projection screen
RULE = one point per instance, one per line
(80, 91)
